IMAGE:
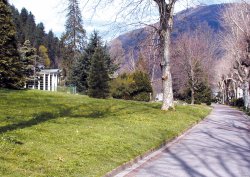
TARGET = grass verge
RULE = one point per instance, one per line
(56, 134)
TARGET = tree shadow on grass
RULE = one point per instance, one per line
(79, 111)
(37, 119)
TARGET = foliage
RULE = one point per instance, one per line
(135, 86)
(203, 94)
(27, 29)
(79, 73)
(81, 67)
(43, 53)
(98, 76)
(28, 58)
(55, 134)
(11, 75)
(75, 34)
(238, 102)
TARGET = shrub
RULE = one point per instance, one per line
(237, 102)
(203, 94)
(135, 86)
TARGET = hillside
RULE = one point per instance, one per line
(56, 134)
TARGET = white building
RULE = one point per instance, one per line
(46, 79)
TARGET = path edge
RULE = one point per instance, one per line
(158, 149)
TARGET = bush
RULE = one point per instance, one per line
(237, 102)
(144, 96)
(203, 94)
(135, 86)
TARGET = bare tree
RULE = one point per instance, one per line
(237, 44)
(193, 56)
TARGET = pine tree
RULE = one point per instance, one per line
(79, 74)
(39, 36)
(81, 67)
(23, 20)
(10, 64)
(98, 80)
(52, 47)
(29, 60)
(75, 34)
(30, 28)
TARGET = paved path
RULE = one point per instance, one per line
(217, 147)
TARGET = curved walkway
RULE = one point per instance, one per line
(217, 147)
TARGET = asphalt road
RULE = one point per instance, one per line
(219, 146)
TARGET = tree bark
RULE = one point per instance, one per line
(246, 94)
(165, 27)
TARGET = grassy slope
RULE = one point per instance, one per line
(51, 134)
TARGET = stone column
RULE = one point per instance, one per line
(53, 82)
(56, 82)
(44, 81)
(39, 84)
(49, 86)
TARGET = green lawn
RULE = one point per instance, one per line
(55, 134)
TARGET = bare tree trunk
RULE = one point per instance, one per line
(246, 94)
(166, 23)
(192, 96)
(168, 98)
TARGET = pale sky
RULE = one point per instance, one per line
(51, 13)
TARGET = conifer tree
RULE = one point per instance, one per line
(75, 34)
(98, 80)
(11, 75)
(29, 60)
(79, 74)
(23, 21)
(30, 29)
(40, 35)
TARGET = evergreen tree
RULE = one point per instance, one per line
(29, 60)
(81, 67)
(39, 36)
(52, 47)
(98, 80)
(10, 64)
(75, 34)
(79, 74)
(30, 28)
(17, 22)
(23, 20)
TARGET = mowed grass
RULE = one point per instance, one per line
(55, 134)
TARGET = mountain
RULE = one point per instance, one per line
(131, 44)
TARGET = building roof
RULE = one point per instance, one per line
(49, 71)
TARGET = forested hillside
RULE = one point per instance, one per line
(28, 29)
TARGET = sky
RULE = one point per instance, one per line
(52, 14)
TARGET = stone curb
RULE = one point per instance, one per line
(154, 151)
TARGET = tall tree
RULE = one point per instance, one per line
(40, 35)
(11, 75)
(43, 53)
(23, 21)
(51, 44)
(193, 56)
(30, 29)
(98, 76)
(236, 44)
(79, 73)
(29, 60)
(75, 34)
